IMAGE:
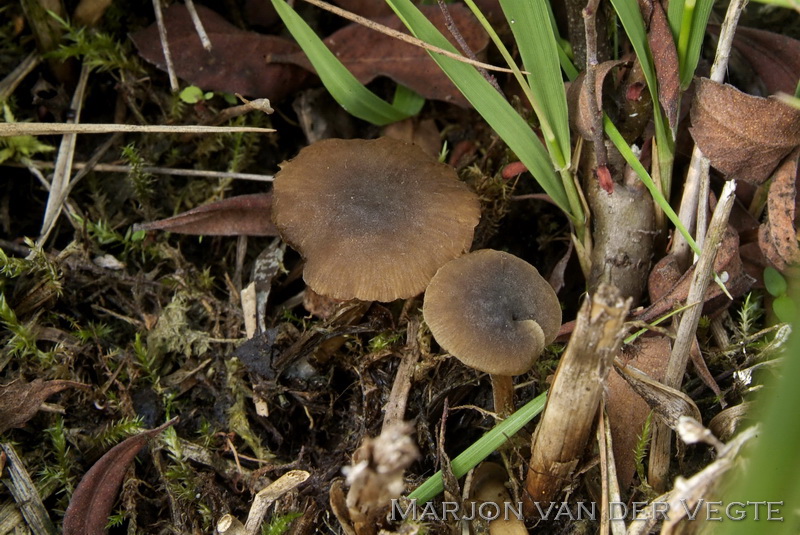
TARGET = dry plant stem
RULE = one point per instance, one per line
(90, 165)
(702, 485)
(699, 165)
(66, 152)
(15, 77)
(25, 494)
(199, 173)
(162, 35)
(47, 31)
(54, 129)
(503, 395)
(198, 24)
(617, 524)
(404, 36)
(230, 525)
(561, 438)
(71, 210)
(660, 452)
(608, 471)
(398, 398)
(590, 22)
(267, 496)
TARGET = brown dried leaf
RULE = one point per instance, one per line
(243, 215)
(778, 236)
(366, 8)
(578, 98)
(235, 64)
(19, 400)
(94, 497)
(674, 293)
(627, 411)
(743, 136)
(668, 403)
(424, 134)
(369, 54)
(775, 58)
(665, 58)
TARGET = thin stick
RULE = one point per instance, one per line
(372, 25)
(54, 129)
(15, 77)
(198, 25)
(699, 165)
(687, 329)
(462, 44)
(200, 173)
(63, 167)
(71, 210)
(395, 409)
(162, 35)
(590, 25)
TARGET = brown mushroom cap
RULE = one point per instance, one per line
(492, 311)
(374, 219)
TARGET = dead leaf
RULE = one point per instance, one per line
(20, 400)
(243, 215)
(423, 133)
(668, 403)
(627, 411)
(578, 95)
(369, 54)
(89, 12)
(775, 58)
(665, 58)
(235, 64)
(743, 136)
(671, 293)
(778, 236)
(94, 497)
(366, 8)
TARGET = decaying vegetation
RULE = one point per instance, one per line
(179, 357)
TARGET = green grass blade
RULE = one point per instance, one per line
(342, 85)
(535, 38)
(481, 449)
(563, 45)
(623, 147)
(408, 101)
(490, 104)
(550, 139)
(688, 20)
(631, 18)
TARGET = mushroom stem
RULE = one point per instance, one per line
(503, 393)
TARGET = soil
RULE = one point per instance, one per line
(151, 324)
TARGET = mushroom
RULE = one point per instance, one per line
(495, 313)
(374, 219)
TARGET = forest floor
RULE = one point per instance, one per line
(111, 329)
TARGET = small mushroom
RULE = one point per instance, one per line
(495, 313)
(374, 219)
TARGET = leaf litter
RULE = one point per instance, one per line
(305, 392)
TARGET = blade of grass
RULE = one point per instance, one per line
(535, 38)
(407, 100)
(353, 96)
(490, 104)
(688, 20)
(631, 18)
(619, 142)
(564, 57)
(553, 139)
(481, 449)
